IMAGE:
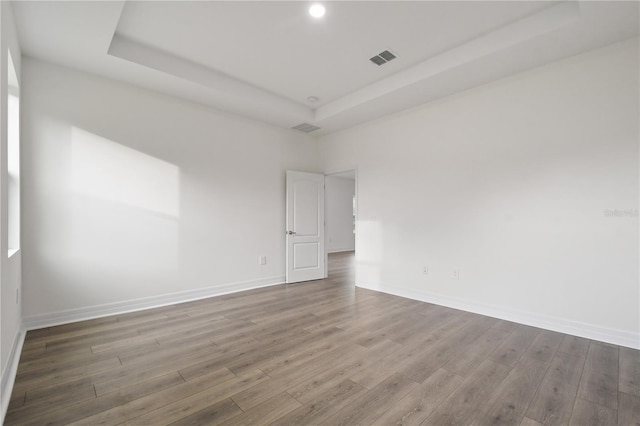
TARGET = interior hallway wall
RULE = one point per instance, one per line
(339, 194)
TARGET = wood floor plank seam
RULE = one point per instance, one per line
(524, 412)
(602, 407)
(544, 399)
(575, 400)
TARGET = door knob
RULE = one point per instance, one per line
(291, 232)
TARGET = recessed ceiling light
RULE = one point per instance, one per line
(316, 10)
(312, 99)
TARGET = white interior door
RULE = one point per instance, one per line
(305, 227)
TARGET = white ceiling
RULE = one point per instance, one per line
(262, 60)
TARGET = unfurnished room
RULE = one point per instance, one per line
(320, 212)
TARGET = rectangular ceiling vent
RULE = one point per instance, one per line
(382, 58)
(306, 127)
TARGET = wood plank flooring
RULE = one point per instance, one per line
(321, 352)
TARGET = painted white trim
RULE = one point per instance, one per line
(117, 308)
(561, 325)
(340, 250)
(10, 371)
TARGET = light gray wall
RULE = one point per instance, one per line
(338, 194)
(10, 280)
(130, 196)
(510, 184)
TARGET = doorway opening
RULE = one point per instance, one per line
(341, 210)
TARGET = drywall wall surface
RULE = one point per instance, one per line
(527, 186)
(10, 267)
(339, 193)
(132, 198)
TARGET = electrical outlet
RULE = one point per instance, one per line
(262, 260)
(456, 274)
(425, 270)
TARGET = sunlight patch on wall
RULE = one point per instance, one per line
(369, 258)
(110, 171)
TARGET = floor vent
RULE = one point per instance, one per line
(382, 58)
(306, 127)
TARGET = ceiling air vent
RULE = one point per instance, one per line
(382, 58)
(306, 127)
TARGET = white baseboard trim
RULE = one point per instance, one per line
(562, 325)
(118, 308)
(10, 371)
(340, 250)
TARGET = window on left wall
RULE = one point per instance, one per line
(13, 158)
